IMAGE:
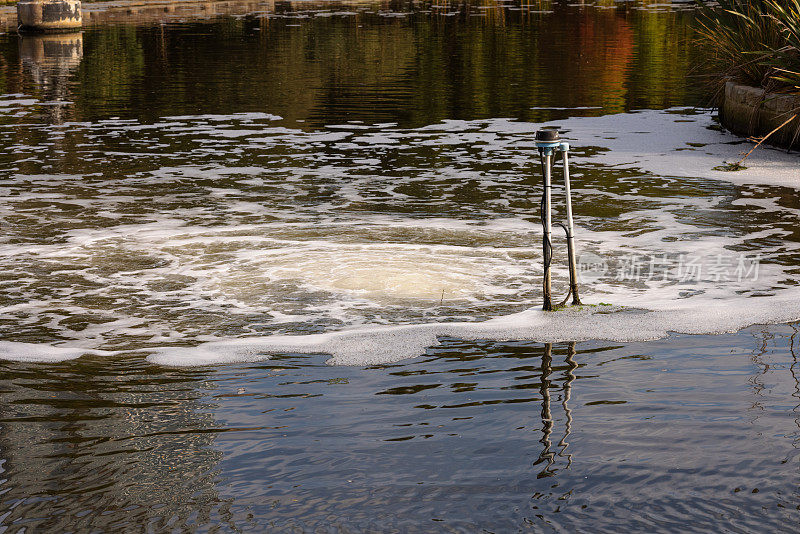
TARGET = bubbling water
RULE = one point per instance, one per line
(306, 241)
(386, 274)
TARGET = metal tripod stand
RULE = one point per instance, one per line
(548, 142)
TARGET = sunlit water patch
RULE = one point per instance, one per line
(205, 229)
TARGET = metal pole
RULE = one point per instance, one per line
(573, 269)
(547, 242)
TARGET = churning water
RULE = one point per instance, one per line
(212, 227)
(361, 187)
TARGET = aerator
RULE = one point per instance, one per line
(549, 142)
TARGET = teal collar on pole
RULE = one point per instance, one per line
(547, 140)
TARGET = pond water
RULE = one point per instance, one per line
(287, 187)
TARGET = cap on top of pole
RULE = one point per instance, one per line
(547, 138)
(548, 134)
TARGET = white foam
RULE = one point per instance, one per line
(668, 143)
(242, 256)
(44, 353)
(376, 345)
(244, 116)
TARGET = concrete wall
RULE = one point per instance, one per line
(751, 111)
(49, 15)
(148, 11)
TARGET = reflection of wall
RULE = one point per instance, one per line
(87, 451)
(49, 60)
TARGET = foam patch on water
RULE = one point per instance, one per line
(306, 241)
(669, 143)
(386, 344)
(370, 346)
(44, 353)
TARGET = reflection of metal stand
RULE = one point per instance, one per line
(548, 141)
(569, 377)
(796, 377)
(547, 456)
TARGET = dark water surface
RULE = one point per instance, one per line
(690, 433)
(175, 178)
(414, 64)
